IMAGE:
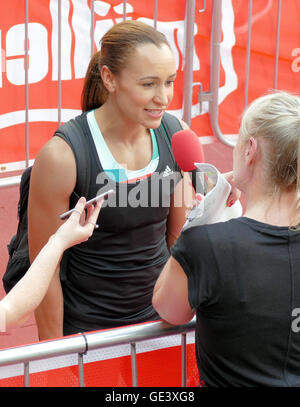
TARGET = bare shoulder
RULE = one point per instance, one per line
(55, 151)
(52, 182)
(55, 165)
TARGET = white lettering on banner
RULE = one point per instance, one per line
(231, 79)
(101, 8)
(120, 7)
(66, 33)
(169, 28)
(77, 29)
(101, 27)
(38, 53)
(81, 22)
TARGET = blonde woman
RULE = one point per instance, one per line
(244, 287)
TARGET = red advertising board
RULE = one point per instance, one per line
(76, 51)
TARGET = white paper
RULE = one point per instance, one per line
(215, 201)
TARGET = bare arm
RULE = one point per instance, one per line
(52, 181)
(182, 200)
(30, 290)
(170, 295)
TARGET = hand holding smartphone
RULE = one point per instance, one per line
(67, 214)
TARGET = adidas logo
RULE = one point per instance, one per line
(167, 171)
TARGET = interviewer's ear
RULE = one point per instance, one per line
(251, 149)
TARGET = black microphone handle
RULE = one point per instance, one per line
(198, 181)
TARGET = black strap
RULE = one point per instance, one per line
(75, 132)
(169, 125)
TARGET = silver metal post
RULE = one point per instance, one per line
(92, 26)
(26, 61)
(183, 360)
(155, 13)
(59, 62)
(124, 10)
(133, 364)
(203, 7)
(248, 52)
(81, 370)
(188, 60)
(26, 374)
(277, 45)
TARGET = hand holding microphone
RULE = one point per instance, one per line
(214, 205)
(187, 150)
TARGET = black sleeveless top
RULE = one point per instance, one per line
(108, 281)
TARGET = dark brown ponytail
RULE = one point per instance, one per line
(94, 93)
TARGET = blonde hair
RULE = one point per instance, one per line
(116, 46)
(275, 118)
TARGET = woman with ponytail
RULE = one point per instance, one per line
(108, 281)
(245, 286)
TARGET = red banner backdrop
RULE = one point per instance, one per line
(76, 51)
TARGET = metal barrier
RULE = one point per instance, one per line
(82, 343)
(212, 96)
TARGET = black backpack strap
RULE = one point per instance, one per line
(170, 125)
(75, 133)
(23, 204)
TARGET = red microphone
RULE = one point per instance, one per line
(187, 150)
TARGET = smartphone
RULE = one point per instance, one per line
(67, 214)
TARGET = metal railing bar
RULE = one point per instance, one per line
(26, 375)
(277, 45)
(10, 181)
(94, 340)
(26, 62)
(133, 364)
(183, 360)
(42, 350)
(188, 60)
(250, 6)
